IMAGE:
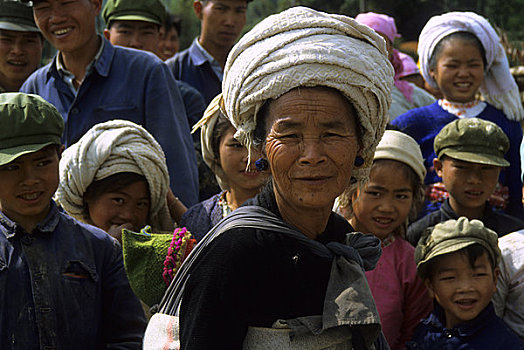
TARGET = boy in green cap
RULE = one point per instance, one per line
(62, 283)
(458, 260)
(134, 23)
(470, 156)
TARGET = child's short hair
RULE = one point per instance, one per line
(470, 237)
(473, 140)
(27, 124)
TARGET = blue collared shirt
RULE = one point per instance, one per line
(193, 66)
(63, 286)
(132, 85)
(215, 65)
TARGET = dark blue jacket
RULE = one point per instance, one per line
(497, 221)
(64, 286)
(484, 332)
(424, 123)
(193, 68)
(133, 85)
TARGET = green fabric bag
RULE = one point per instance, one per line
(144, 255)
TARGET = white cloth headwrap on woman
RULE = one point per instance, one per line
(109, 148)
(207, 123)
(499, 87)
(303, 47)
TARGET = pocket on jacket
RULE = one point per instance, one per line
(81, 278)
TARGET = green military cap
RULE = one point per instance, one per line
(27, 124)
(17, 16)
(152, 11)
(473, 140)
(451, 236)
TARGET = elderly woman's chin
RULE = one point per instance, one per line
(311, 144)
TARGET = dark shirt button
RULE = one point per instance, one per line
(74, 111)
(45, 309)
(27, 240)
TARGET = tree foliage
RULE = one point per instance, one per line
(410, 15)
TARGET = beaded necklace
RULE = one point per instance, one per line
(463, 110)
(222, 202)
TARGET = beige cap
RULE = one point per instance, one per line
(396, 145)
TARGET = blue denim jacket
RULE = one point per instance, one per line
(193, 67)
(64, 286)
(132, 85)
(484, 332)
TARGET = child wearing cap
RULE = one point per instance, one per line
(458, 262)
(62, 283)
(394, 193)
(470, 155)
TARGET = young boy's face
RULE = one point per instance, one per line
(469, 184)
(138, 35)
(67, 25)
(462, 291)
(28, 184)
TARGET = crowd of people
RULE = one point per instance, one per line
(304, 186)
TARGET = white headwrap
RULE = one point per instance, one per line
(499, 87)
(207, 123)
(303, 47)
(109, 148)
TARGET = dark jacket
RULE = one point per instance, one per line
(64, 286)
(497, 221)
(193, 68)
(201, 217)
(484, 332)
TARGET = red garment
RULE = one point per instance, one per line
(401, 297)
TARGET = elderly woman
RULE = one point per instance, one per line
(310, 90)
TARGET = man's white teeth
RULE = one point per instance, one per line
(383, 221)
(16, 63)
(62, 31)
(31, 196)
(464, 85)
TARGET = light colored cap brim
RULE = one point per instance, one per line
(488, 159)
(135, 18)
(9, 154)
(18, 27)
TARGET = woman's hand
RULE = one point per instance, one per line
(115, 231)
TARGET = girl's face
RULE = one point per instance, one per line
(233, 161)
(459, 71)
(129, 205)
(385, 202)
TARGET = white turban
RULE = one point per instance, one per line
(304, 47)
(109, 148)
(499, 87)
(207, 123)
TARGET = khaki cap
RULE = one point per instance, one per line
(473, 140)
(27, 124)
(152, 11)
(451, 236)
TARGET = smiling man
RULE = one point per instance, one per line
(202, 64)
(90, 81)
(20, 45)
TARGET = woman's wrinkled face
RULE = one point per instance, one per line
(311, 146)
